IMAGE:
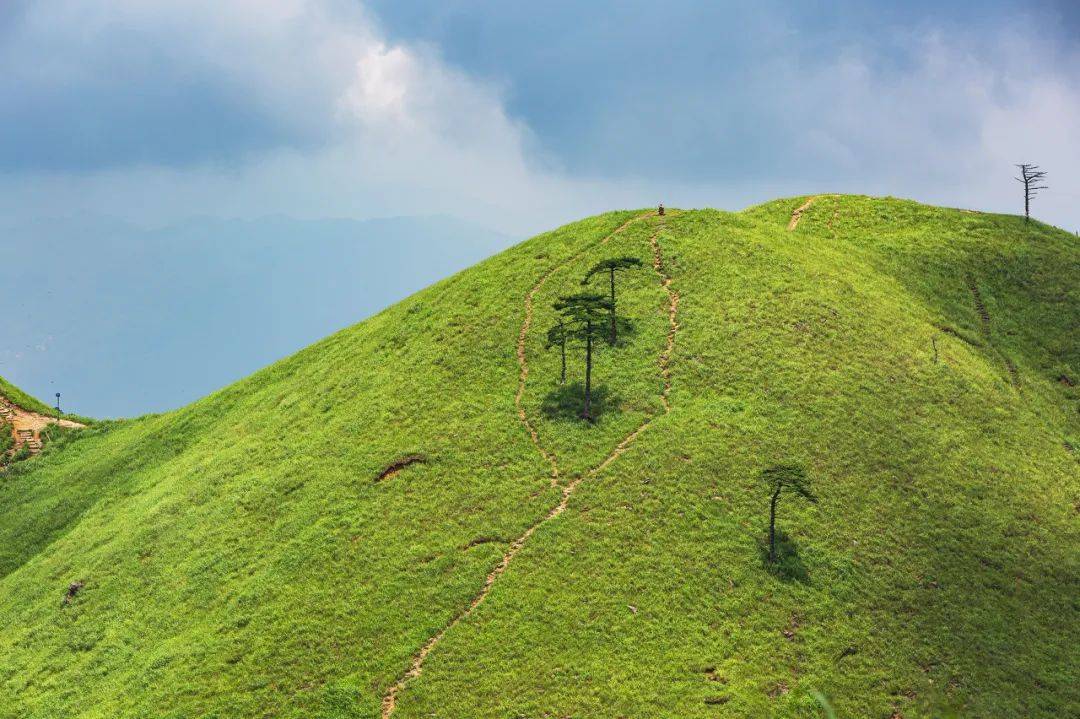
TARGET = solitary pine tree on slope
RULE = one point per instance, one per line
(778, 478)
(583, 315)
(611, 266)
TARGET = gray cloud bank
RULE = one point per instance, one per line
(155, 111)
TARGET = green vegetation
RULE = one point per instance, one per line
(583, 319)
(239, 557)
(777, 479)
(32, 404)
(557, 336)
(610, 267)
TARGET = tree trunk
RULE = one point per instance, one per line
(587, 414)
(612, 273)
(1027, 201)
(772, 525)
(562, 346)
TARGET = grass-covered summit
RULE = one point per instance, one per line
(410, 519)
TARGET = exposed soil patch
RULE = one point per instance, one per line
(26, 426)
(477, 541)
(73, 589)
(394, 468)
(713, 676)
(955, 333)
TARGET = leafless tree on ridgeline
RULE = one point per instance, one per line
(1030, 177)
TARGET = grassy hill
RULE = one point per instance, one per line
(249, 555)
(33, 404)
(27, 402)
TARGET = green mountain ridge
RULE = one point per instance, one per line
(258, 553)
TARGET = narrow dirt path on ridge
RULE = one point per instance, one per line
(797, 214)
(416, 667)
(673, 322)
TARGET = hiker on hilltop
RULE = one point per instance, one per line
(660, 210)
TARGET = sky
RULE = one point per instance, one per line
(510, 117)
(123, 321)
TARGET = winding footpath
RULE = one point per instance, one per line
(798, 213)
(523, 363)
(673, 321)
(389, 702)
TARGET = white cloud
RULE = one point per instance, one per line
(403, 132)
(948, 129)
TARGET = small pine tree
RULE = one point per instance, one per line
(584, 315)
(611, 266)
(556, 337)
(777, 478)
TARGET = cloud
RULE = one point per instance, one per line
(153, 111)
(156, 111)
(948, 127)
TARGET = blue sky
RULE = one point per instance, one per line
(514, 116)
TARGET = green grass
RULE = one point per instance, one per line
(32, 404)
(241, 559)
(16, 395)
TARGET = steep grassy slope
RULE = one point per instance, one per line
(241, 556)
(33, 404)
(16, 395)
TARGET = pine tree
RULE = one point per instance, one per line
(556, 337)
(777, 478)
(583, 316)
(611, 266)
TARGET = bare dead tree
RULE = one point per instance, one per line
(1030, 177)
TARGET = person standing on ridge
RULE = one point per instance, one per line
(660, 210)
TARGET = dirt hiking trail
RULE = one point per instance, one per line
(523, 364)
(26, 426)
(389, 702)
(798, 213)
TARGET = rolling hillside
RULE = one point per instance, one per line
(407, 519)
